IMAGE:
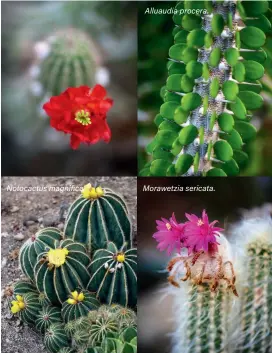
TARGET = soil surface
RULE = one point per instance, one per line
(23, 214)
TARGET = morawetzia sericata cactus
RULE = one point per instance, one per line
(208, 317)
(213, 86)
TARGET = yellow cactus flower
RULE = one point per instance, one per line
(15, 308)
(75, 294)
(17, 305)
(86, 190)
(99, 191)
(19, 298)
(93, 194)
(121, 257)
(57, 257)
(71, 301)
(81, 297)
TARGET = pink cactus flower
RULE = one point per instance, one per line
(170, 235)
(200, 234)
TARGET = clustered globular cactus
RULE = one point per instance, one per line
(97, 217)
(65, 59)
(209, 318)
(213, 86)
(62, 297)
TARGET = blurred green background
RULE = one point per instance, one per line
(29, 145)
(154, 41)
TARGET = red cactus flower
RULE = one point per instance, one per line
(81, 112)
(169, 235)
(200, 234)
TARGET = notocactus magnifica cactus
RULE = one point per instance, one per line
(214, 68)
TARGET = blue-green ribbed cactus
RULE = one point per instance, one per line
(214, 68)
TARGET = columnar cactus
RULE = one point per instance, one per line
(98, 216)
(62, 269)
(68, 60)
(55, 338)
(114, 277)
(212, 87)
(79, 304)
(45, 238)
(46, 317)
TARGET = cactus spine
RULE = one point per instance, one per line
(114, 276)
(61, 270)
(55, 338)
(45, 238)
(215, 64)
(46, 317)
(96, 218)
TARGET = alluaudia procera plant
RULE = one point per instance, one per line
(209, 318)
(213, 86)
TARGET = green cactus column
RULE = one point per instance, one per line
(212, 88)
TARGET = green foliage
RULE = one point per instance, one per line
(216, 88)
(114, 275)
(94, 222)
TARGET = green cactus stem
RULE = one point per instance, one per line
(114, 277)
(98, 216)
(27, 307)
(55, 338)
(46, 317)
(215, 64)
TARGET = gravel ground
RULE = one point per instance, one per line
(23, 214)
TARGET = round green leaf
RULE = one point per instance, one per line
(158, 119)
(176, 147)
(231, 168)
(173, 82)
(180, 116)
(251, 100)
(169, 125)
(215, 57)
(159, 153)
(175, 31)
(217, 24)
(194, 69)
(188, 134)
(175, 52)
(216, 172)
(171, 171)
(246, 130)
(167, 110)
(191, 101)
(239, 72)
(190, 22)
(187, 84)
(208, 40)
(232, 56)
(184, 162)
(226, 122)
(240, 157)
(144, 172)
(223, 151)
(194, 5)
(171, 97)
(259, 56)
(253, 37)
(238, 108)
(255, 8)
(253, 88)
(234, 139)
(177, 17)
(189, 54)
(151, 145)
(176, 68)
(165, 138)
(261, 22)
(159, 167)
(254, 70)
(196, 38)
(181, 37)
(230, 90)
(214, 87)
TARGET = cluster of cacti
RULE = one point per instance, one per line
(63, 290)
(214, 67)
(67, 59)
(219, 322)
(108, 329)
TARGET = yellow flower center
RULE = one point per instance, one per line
(168, 226)
(76, 297)
(83, 117)
(120, 257)
(200, 222)
(17, 305)
(57, 257)
(89, 192)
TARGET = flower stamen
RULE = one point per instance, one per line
(168, 226)
(200, 222)
(83, 117)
